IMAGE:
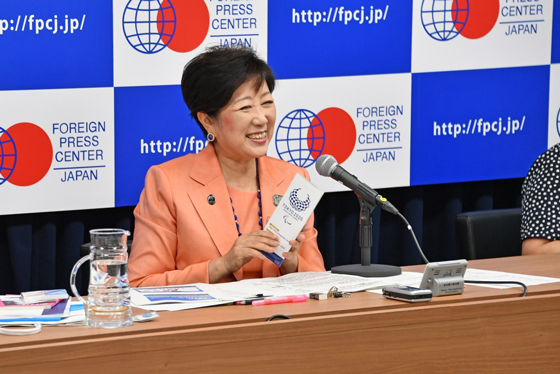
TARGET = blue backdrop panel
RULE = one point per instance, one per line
(152, 125)
(463, 124)
(556, 32)
(314, 38)
(56, 44)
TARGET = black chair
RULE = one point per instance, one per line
(488, 233)
(84, 269)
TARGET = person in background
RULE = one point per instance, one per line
(200, 217)
(540, 219)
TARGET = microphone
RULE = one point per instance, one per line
(327, 166)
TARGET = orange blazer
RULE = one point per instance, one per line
(177, 231)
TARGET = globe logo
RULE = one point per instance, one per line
(31, 147)
(444, 19)
(558, 122)
(300, 138)
(296, 203)
(8, 155)
(149, 25)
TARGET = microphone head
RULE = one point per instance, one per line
(325, 165)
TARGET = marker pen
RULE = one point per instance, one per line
(248, 302)
(281, 300)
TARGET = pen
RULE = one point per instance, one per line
(248, 302)
(280, 300)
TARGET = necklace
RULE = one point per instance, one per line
(260, 202)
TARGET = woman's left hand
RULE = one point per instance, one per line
(290, 264)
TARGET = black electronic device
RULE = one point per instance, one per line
(407, 293)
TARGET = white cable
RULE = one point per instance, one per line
(32, 329)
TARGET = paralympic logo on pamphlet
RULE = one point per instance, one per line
(286, 220)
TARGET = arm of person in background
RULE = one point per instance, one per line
(540, 218)
(533, 246)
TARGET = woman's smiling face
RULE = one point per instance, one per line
(243, 128)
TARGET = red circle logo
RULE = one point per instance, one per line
(31, 157)
(192, 24)
(340, 134)
(479, 20)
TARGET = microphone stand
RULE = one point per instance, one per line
(366, 269)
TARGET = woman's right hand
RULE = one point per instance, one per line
(245, 248)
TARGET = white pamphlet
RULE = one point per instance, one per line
(291, 214)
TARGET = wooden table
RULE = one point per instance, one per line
(482, 330)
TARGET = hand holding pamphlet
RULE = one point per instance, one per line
(291, 214)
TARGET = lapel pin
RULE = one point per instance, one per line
(211, 200)
(276, 199)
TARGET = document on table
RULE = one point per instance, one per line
(202, 295)
(500, 276)
(305, 283)
(176, 297)
(75, 316)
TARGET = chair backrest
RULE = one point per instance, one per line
(488, 233)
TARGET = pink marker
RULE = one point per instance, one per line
(281, 300)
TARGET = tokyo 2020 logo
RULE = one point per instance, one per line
(302, 136)
(444, 20)
(26, 154)
(150, 26)
(297, 203)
